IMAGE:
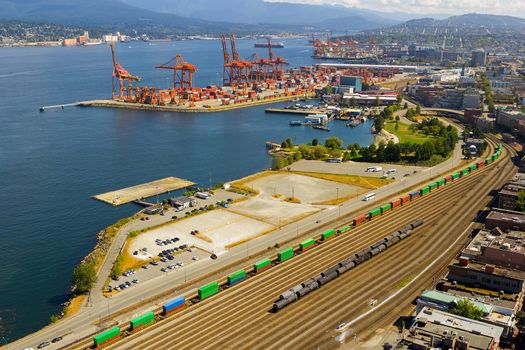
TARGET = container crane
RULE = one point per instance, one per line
(227, 67)
(121, 78)
(182, 73)
(278, 63)
(241, 67)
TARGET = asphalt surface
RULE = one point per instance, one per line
(97, 308)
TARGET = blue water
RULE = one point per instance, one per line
(52, 163)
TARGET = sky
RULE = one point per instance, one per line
(427, 7)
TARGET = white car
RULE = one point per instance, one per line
(341, 326)
(195, 258)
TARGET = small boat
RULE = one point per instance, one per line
(321, 127)
(353, 123)
(295, 123)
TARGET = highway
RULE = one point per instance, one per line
(150, 294)
(238, 318)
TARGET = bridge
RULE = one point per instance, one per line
(445, 112)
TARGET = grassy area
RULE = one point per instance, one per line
(354, 180)
(404, 134)
(74, 305)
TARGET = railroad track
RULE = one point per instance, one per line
(215, 322)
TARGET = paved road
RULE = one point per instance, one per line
(82, 324)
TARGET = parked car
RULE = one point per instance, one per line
(154, 263)
(43, 344)
(213, 256)
(194, 258)
(56, 339)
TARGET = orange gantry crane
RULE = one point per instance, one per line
(182, 73)
(122, 79)
(236, 71)
(227, 67)
(278, 63)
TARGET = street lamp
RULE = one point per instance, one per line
(337, 198)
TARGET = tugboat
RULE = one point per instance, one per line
(295, 123)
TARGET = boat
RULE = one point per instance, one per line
(273, 45)
(353, 123)
(321, 127)
(295, 123)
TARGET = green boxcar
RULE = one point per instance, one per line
(343, 229)
(285, 254)
(386, 207)
(455, 175)
(433, 185)
(441, 182)
(424, 190)
(236, 276)
(374, 212)
(144, 320)
(465, 172)
(208, 290)
(488, 160)
(309, 243)
(327, 234)
(473, 167)
(262, 265)
(106, 336)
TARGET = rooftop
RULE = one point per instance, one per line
(434, 295)
(504, 272)
(506, 216)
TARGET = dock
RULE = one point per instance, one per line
(200, 107)
(46, 108)
(139, 192)
(299, 111)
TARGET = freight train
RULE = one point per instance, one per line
(300, 290)
(114, 334)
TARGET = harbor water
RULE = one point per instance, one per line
(51, 163)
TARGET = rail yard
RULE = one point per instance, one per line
(225, 319)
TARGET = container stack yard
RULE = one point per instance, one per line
(246, 82)
(346, 49)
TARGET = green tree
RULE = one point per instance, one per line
(399, 98)
(398, 118)
(353, 101)
(418, 110)
(396, 127)
(467, 309)
(279, 162)
(333, 143)
(379, 123)
(315, 142)
(405, 106)
(520, 201)
(378, 101)
(84, 277)
(329, 89)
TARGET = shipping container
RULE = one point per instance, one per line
(308, 244)
(480, 164)
(236, 277)
(424, 190)
(405, 199)
(343, 229)
(208, 290)
(328, 234)
(286, 254)
(359, 219)
(173, 305)
(414, 195)
(262, 265)
(456, 175)
(465, 172)
(441, 182)
(396, 203)
(488, 160)
(473, 167)
(433, 186)
(142, 321)
(449, 178)
(386, 207)
(374, 213)
(107, 337)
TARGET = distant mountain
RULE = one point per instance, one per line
(332, 17)
(471, 19)
(116, 15)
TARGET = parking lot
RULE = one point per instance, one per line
(355, 168)
(163, 266)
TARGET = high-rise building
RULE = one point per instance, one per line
(479, 58)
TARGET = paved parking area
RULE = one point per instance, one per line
(149, 271)
(354, 168)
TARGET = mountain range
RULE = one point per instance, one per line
(184, 16)
(163, 17)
